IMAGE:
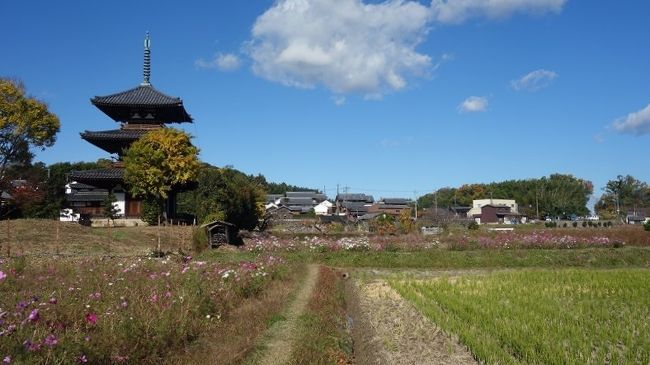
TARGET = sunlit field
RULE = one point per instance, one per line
(135, 310)
(574, 316)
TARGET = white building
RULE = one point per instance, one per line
(478, 204)
(323, 208)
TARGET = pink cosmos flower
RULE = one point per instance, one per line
(91, 318)
(52, 300)
(2, 277)
(34, 316)
(82, 359)
(50, 341)
(6, 360)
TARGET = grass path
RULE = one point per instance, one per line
(282, 334)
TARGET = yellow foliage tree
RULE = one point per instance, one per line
(24, 123)
(160, 161)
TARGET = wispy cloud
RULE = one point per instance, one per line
(457, 11)
(637, 123)
(350, 46)
(339, 100)
(396, 142)
(534, 80)
(221, 61)
(599, 138)
(473, 104)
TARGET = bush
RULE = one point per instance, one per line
(199, 240)
(584, 224)
(473, 226)
(151, 210)
(574, 224)
(550, 224)
(565, 225)
(646, 226)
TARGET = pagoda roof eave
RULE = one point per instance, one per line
(119, 106)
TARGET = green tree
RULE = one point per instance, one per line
(622, 195)
(25, 123)
(159, 162)
(111, 211)
(225, 194)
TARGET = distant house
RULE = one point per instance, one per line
(278, 212)
(297, 202)
(391, 206)
(354, 204)
(635, 219)
(492, 213)
(272, 198)
(323, 208)
(479, 203)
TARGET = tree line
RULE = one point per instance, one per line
(555, 195)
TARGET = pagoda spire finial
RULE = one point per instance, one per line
(147, 60)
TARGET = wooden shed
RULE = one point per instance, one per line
(221, 233)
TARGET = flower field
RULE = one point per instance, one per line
(573, 316)
(119, 311)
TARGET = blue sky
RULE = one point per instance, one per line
(386, 98)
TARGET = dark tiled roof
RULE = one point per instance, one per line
(78, 185)
(396, 201)
(393, 206)
(114, 134)
(298, 201)
(98, 174)
(300, 194)
(97, 195)
(144, 100)
(141, 95)
(113, 141)
(355, 197)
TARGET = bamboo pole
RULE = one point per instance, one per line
(8, 237)
(158, 230)
(58, 237)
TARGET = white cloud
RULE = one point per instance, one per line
(350, 46)
(534, 80)
(637, 123)
(457, 11)
(473, 104)
(221, 61)
(339, 100)
(346, 45)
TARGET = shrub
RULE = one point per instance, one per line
(565, 225)
(199, 240)
(473, 226)
(151, 210)
(584, 224)
(574, 224)
(646, 226)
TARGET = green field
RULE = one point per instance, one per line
(572, 316)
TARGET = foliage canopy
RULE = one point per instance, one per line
(159, 161)
(24, 123)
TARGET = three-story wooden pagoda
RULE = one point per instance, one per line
(138, 110)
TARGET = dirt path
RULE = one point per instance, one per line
(282, 334)
(389, 330)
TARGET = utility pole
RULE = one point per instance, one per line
(415, 196)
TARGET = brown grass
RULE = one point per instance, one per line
(240, 332)
(47, 237)
(323, 333)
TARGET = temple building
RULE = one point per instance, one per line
(138, 111)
